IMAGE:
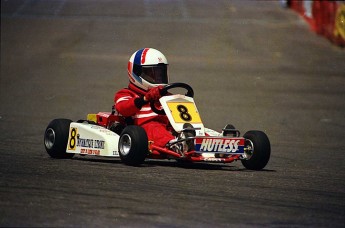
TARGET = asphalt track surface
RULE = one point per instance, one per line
(252, 64)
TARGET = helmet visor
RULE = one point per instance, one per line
(157, 74)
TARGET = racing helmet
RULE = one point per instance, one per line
(148, 68)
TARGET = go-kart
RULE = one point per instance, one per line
(111, 135)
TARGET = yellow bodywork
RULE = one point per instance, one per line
(92, 117)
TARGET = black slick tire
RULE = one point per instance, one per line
(56, 138)
(259, 150)
(133, 145)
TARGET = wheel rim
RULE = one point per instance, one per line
(49, 138)
(125, 144)
(248, 150)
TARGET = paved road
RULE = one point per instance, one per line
(252, 64)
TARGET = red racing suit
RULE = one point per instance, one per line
(129, 103)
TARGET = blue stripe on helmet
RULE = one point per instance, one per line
(137, 58)
(137, 78)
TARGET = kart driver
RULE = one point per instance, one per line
(147, 72)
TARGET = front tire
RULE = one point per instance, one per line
(133, 145)
(56, 137)
(258, 150)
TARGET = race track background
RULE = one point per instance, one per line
(251, 63)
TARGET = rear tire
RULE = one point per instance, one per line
(133, 145)
(259, 150)
(56, 138)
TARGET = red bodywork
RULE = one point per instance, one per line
(106, 119)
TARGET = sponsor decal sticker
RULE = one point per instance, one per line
(219, 145)
(90, 143)
(87, 146)
(90, 151)
(213, 159)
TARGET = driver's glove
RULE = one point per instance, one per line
(153, 94)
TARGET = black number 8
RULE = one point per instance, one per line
(72, 140)
(184, 113)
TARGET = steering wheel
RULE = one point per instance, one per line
(164, 91)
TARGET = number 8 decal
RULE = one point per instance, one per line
(184, 113)
(72, 140)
